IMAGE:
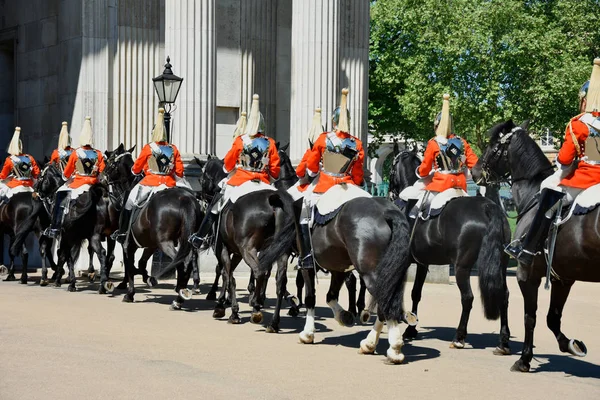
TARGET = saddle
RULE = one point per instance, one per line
(332, 201)
(586, 202)
(438, 203)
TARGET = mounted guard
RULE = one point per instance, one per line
(60, 156)
(250, 162)
(161, 163)
(337, 158)
(444, 168)
(81, 173)
(578, 169)
(19, 170)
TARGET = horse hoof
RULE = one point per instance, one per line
(410, 333)
(196, 290)
(44, 282)
(10, 278)
(127, 299)
(234, 320)
(23, 281)
(219, 312)
(108, 286)
(411, 318)
(185, 294)
(502, 350)
(152, 281)
(175, 306)
(460, 344)
(346, 319)
(577, 348)
(57, 283)
(306, 337)
(272, 329)
(122, 286)
(295, 302)
(520, 366)
(71, 288)
(256, 317)
(294, 312)
(3, 271)
(92, 277)
(366, 347)
(395, 356)
(364, 317)
(211, 296)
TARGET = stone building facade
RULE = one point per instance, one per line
(65, 59)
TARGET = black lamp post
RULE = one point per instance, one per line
(167, 88)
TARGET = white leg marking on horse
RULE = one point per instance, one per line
(394, 353)
(337, 310)
(307, 336)
(368, 345)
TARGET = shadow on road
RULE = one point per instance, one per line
(569, 365)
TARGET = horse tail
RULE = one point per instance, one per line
(492, 262)
(392, 268)
(26, 227)
(285, 237)
(188, 226)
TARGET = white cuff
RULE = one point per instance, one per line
(310, 173)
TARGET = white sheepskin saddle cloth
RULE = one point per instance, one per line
(337, 196)
(233, 193)
(441, 199)
(18, 189)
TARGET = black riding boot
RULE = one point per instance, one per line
(306, 258)
(409, 205)
(198, 238)
(525, 251)
(124, 219)
(57, 215)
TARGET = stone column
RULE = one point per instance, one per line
(315, 67)
(190, 42)
(258, 34)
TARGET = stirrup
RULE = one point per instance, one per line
(118, 236)
(51, 232)
(196, 241)
(307, 262)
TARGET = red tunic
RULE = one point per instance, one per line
(313, 159)
(241, 176)
(585, 175)
(14, 182)
(81, 180)
(301, 171)
(442, 181)
(55, 157)
(141, 164)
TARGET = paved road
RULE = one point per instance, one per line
(60, 345)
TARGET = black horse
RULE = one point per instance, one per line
(243, 229)
(369, 234)
(167, 219)
(469, 232)
(513, 156)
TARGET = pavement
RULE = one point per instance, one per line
(60, 345)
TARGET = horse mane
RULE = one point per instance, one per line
(530, 159)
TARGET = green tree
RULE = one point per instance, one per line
(497, 59)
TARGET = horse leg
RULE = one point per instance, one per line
(43, 247)
(195, 273)
(307, 335)
(95, 244)
(558, 298)
(368, 345)
(257, 298)
(529, 288)
(150, 281)
(463, 281)
(91, 270)
(350, 281)
(281, 279)
(299, 287)
(24, 261)
(503, 348)
(129, 258)
(251, 283)
(212, 294)
(183, 276)
(11, 268)
(411, 331)
(343, 317)
(59, 268)
(110, 255)
(361, 303)
(229, 268)
(71, 264)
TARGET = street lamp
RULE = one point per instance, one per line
(167, 88)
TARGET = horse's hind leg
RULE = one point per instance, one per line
(110, 255)
(463, 281)
(195, 273)
(71, 264)
(129, 258)
(281, 278)
(342, 316)
(558, 297)
(96, 245)
(11, 268)
(251, 283)
(212, 294)
(369, 344)
(150, 281)
(43, 244)
(24, 261)
(299, 287)
(230, 265)
(503, 348)
(411, 331)
(350, 281)
(308, 333)
(361, 303)
(257, 298)
(91, 270)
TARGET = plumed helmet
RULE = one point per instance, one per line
(443, 125)
(341, 116)
(86, 138)
(593, 90)
(316, 128)
(16, 146)
(256, 121)
(64, 139)
(240, 127)
(159, 133)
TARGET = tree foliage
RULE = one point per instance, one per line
(498, 59)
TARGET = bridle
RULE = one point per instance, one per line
(47, 201)
(116, 187)
(499, 152)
